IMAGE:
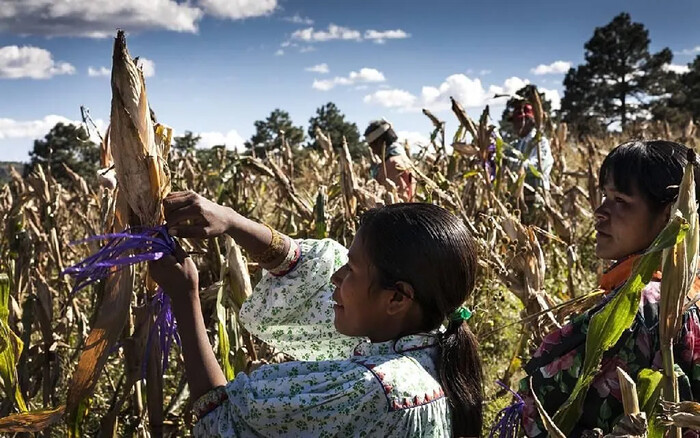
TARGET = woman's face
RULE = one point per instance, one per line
(360, 307)
(625, 223)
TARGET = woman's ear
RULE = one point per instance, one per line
(401, 299)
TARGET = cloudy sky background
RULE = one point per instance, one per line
(216, 66)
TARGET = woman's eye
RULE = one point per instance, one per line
(620, 200)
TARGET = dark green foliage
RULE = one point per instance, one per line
(683, 101)
(267, 132)
(187, 142)
(619, 78)
(66, 144)
(332, 122)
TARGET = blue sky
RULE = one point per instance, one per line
(216, 66)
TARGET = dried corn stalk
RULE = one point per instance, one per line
(679, 266)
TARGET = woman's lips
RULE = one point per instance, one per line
(601, 233)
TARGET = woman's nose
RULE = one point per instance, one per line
(602, 213)
(338, 276)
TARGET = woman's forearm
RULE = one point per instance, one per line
(201, 368)
(255, 238)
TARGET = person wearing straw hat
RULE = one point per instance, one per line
(524, 153)
(394, 165)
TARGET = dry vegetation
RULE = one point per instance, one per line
(531, 278)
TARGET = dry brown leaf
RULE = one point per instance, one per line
(33, 421)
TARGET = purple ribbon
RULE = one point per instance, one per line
(508, 419)
(131, 246)
(164, 327)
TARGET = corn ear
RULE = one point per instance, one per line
(138, 159)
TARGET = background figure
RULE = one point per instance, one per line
(523, 119)
(394, 164)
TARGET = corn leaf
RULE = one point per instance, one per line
(10, 347)
(608, 324)
(33, 421)
(106, 330)
(549, 425)
(648, 392)
(224, 344)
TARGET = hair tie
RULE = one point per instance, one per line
(462, 313)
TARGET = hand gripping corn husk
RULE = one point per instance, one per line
(679, 268)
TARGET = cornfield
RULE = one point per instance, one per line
(69, 366)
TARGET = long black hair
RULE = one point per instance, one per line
(431, 249)
(654, 167)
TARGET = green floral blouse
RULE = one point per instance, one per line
(341, 386)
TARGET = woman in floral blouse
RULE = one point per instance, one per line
(364, 325)
(639, 181)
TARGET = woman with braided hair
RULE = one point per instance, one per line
(378, 332)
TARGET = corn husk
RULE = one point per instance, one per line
(679, 266)
(680, 414)
(139, 159)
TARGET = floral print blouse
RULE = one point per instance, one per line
(341, 386)
(556, 364)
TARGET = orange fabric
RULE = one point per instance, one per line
(618, 273)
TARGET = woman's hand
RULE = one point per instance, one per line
(176, 274)
(191, 215)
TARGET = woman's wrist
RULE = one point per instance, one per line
(186, 300)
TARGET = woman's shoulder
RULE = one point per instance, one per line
(407, 381)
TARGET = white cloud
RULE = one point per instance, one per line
(470, 92)
(413, 137)
(676, 68)
(279, 52)
(231, 139)
(364, 75)
(30, 62)
(334, 32)
(147, 66)
(553, 96)
(557, 67)
(395, 98)
(380, 36)
(102, 71)
(100, 18)
(306, 49)
(692, 51)
(318, 68)
(484, 72)
(238, 9)
(33, 129)
(298, 19)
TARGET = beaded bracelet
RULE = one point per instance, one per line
(274, 249)
(209, 401)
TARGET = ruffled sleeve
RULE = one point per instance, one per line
(293, 313)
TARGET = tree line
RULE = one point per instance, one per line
(620, 82)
